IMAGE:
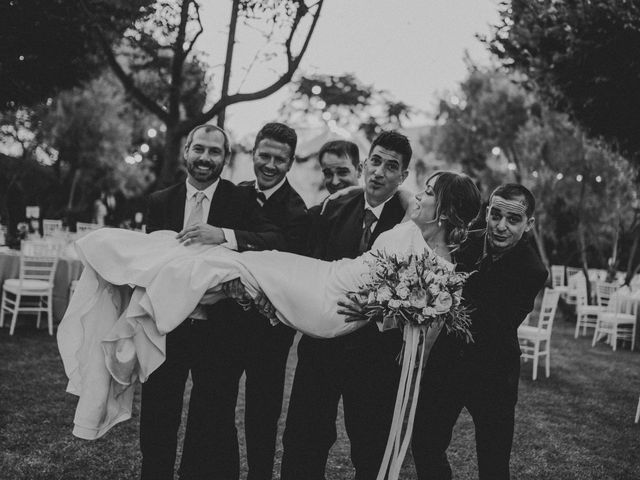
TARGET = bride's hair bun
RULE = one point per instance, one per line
(457, 235)
(458, 201)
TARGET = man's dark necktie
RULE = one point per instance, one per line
(262, 198)
(369, 219)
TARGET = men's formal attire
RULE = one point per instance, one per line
(262, 349)
(360, 367)
(200, 344)
(481, 376)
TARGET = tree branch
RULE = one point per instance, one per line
(292, 65)
(177, 63)
(125, 79)
(198, 33)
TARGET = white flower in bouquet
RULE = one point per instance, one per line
(443, 302)
(434, 289)
(384, 294)
(418, 298)
(428, 276)
(394, 304)
(429, 312)
(409, 274)
(403, 291)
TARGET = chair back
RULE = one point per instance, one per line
(604, 291)
(83, 228)
(548, 309)
(571, 271)
(623, 302)
(557, 275)
(50, 227)
(580, 292)
(38, 260)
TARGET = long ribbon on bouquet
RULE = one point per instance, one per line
(408, 391)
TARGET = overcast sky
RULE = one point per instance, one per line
(412, 48)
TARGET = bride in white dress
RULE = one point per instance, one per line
(135, 288)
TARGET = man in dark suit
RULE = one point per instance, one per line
(360, 367)
(262, 349)
(483, 376)
(210, 210)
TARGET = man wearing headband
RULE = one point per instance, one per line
(483, 376)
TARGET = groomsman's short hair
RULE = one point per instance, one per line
(392, 140)
(341, 148)
(509, 191)
(208, 127)
(280, 133)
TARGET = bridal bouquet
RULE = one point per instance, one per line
(414, 289)
(420, 294)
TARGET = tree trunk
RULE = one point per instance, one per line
(231, 40)
(72, 190)
(582, 241)
(171, 160)
(632, 253)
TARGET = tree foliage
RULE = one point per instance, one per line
(582, 58)
(486, 113)
(47, 45)
(343, 101)
(586, 192)
(150, 46)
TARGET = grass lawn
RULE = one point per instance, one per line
(577, 424)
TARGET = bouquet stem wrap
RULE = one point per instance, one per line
(418, 340)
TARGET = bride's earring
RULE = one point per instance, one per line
(439, 223)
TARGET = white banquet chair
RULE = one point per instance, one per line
(576, 285)
(587, 315)
(557, 278)
(32, 292)
(535, 341)
(83, 228)
(51, 227)
(618, 321)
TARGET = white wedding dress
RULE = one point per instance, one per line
(136, 287)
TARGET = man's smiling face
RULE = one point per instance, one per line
(271, 162)
(205, 157)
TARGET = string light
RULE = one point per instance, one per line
(152, 132)
(598, 179)
(559, 176)
(535, 174)
(316, 89)
(579, 178)
(144, 148)
(496, 151)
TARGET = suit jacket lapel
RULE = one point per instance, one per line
(175, 208)
(391, 214)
